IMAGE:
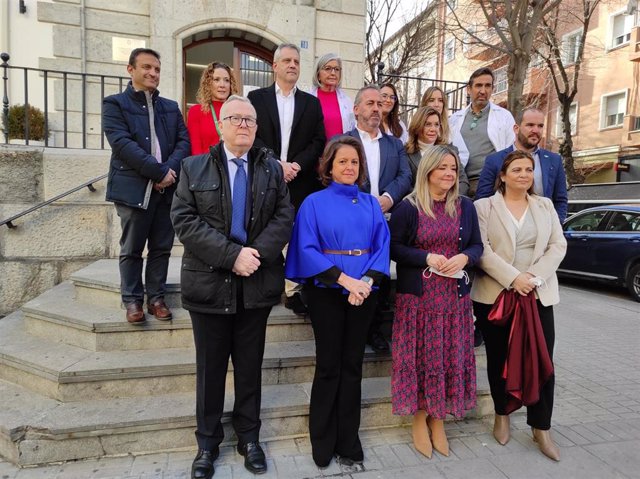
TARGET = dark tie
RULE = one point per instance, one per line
(238, 231)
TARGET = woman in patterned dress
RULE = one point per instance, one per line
(434, 237)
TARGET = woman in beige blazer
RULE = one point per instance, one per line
(523, 247)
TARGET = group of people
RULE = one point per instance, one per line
(340, 189)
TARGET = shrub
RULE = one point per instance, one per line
(17, 124)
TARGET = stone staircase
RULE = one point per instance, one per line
(78, 381)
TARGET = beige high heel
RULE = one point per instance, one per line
(502, 428)
(546, 444)
(420, 432)
(438, 435)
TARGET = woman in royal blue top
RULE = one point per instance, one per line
(339, 251)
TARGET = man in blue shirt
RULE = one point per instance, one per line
(549, 177)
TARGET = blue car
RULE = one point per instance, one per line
(603, 244)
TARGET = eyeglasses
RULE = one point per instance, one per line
(237, 121)
(332, 69)
(389, 97)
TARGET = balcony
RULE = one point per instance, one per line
(635, 44)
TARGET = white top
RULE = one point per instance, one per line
(233, 168)
(404, 136)
(519, 222)
(499, 129)
(286, 106)
(372, 153)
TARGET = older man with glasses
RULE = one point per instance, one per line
(233, 215)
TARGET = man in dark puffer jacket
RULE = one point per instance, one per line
(233, 215)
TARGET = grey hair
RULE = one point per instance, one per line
(322, 61)
(282, 46)
(231, 99)
(362, 90)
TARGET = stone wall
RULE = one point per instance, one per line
(56, 240)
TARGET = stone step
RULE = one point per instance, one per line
(57, 314)
(35, 429)
(69, 373)
(99, 283)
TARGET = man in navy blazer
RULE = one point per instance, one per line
(549, 176)
(388, 177)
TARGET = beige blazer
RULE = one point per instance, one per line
(498, 237)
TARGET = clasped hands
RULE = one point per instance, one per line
(447, 266)
(168, 180)
(290, 170)
(522, 284)
(358, 290)
(247, 262)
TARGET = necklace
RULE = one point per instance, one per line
(476, 118)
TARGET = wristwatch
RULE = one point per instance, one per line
(367, 279)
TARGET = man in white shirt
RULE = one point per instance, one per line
(290, 123)
(480, 129)
(389, 178)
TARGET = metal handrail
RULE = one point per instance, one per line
(88, 184)
(86, 80)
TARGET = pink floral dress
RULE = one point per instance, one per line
(433, 360)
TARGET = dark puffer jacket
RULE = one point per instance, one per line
(201, 215)
(126, 125)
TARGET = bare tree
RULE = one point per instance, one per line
(407, 46)
(564, 60)
(507, 28)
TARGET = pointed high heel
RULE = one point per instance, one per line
(438, 435)
(502, 428)
(546, 444)
(420, 432)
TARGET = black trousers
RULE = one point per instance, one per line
(496, 340)
(151, 227)
(218, 336)
(340, 331)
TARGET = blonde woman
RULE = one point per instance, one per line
(435, 98)
(434, 238)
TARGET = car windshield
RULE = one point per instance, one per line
(585, 222)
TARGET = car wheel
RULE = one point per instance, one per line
(633, 282)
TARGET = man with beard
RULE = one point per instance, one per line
(388, 178)
(549, 176)
(480, 129)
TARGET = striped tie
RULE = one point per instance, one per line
(238, 232)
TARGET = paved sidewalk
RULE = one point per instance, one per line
(596, 420)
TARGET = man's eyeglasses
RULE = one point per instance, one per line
(237, 121)
(389, 97)
(332, 69)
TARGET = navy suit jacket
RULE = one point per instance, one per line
(395, 173)
(553, 177)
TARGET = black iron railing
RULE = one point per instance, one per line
(412, 87)
(89, 88)
(88, 184)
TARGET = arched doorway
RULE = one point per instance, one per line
(250, 56)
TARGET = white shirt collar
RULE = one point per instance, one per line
(291, 93)
(364, 135)
(231, 156)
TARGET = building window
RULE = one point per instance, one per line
(570, 47)
(449, 50)
(469, 38)
(501, 79)
(621, 25)
(614, 107)
(573, 119)
(451, 5)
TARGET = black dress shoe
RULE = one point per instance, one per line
(202, 467)
(378, 343)
(254, 459)
(296, 304)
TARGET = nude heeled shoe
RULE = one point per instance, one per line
(438, 435)
(420, 432)
(546, 444)
(502, 428)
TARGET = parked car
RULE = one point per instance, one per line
(603, 244)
